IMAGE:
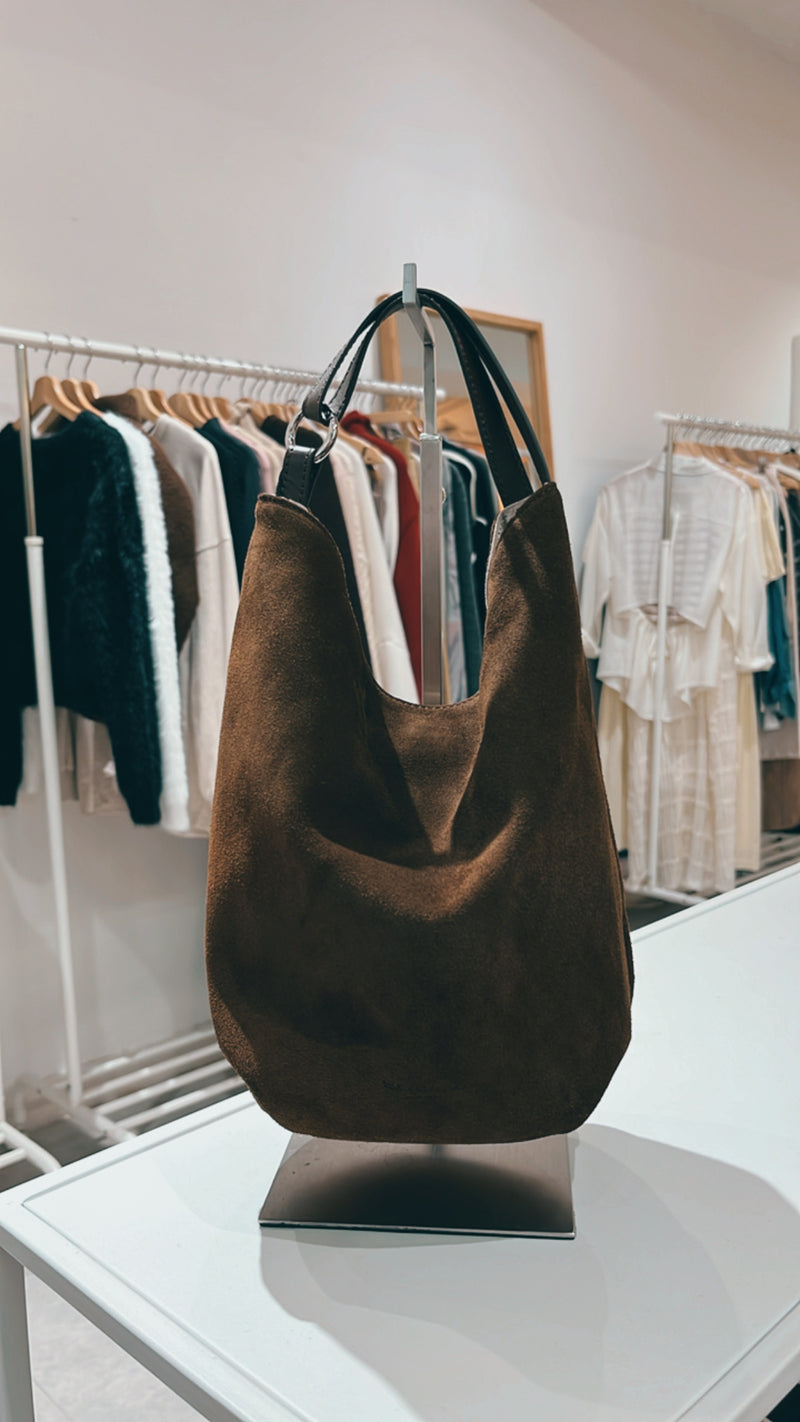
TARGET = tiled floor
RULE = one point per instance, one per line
(81, 1376)
(642, 911)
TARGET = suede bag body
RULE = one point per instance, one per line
(416, 927)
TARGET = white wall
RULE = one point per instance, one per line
(246, 178)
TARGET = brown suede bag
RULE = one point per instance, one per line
(416, 927)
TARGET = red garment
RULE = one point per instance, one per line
(407, 568)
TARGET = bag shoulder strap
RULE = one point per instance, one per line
(482, 373)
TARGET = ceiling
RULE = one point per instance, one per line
(777, 22)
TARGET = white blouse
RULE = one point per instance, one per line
(386, 638)
(204, 658)
(717, 588)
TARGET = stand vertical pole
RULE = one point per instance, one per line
(34, 551)
(431, 493)
(664, 588)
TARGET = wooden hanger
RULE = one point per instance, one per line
(738, 462)
(241, 407)
(717, 454)
(83, 392)
(158, 399)
(278, 412)
(222, 407)
(138, 396)
(219, 404)
(409, 427)
(203, 401)
(161, 402)
(367, 452)
(182, 405)
(405, 414)
(278, 408)
(143, 403)
(456, 419)
(90, 390)
(254, 404)
(284, 410)
(788, 470)
(54, 394)
(74, 391)
(188, 404)
(47, 393)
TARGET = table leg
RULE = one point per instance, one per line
(16, 1387)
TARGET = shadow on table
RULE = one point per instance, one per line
(680, 1262)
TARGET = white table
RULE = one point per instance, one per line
(680, 1297)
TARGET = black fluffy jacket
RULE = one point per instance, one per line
(96, 603)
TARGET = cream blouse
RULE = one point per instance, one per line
(717, 586)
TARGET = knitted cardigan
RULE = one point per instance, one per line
(96, 603)
(178, 516)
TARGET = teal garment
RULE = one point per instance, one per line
(775, 687)
(471, 621)
(484, 508)
(454, 630)
(776, 690)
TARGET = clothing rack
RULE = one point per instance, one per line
(704, 431)
(190, 1067)
(142, 356)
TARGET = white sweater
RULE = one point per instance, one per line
(204, 658)
(174, 801)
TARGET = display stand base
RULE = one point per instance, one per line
(523, 1188)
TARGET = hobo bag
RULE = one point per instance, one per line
(415, 922)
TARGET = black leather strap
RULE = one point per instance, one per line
(504, 460)
(480, 367)
(314, 406)
(478, 362)
(297, 474)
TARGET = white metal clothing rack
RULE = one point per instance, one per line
(119, 1098)
(704, 431)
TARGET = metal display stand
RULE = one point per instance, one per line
(523, 1188)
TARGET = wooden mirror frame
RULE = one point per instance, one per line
(538, 403)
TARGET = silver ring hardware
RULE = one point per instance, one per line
(327, 444)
